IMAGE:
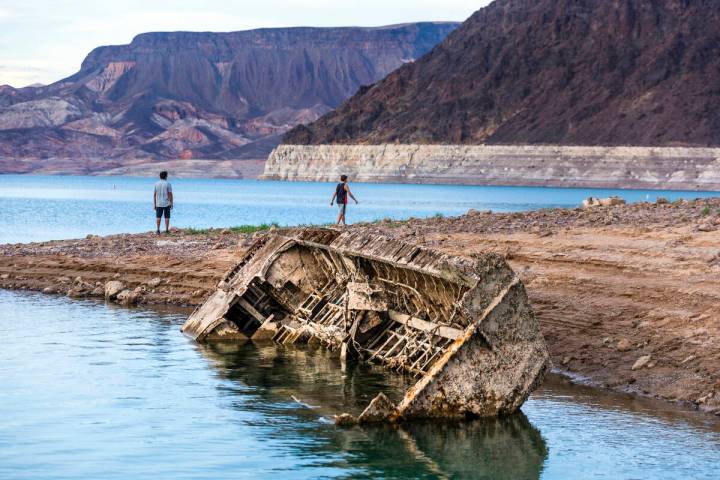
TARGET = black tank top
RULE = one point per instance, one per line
(341, 193)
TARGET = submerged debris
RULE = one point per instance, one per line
(462, 326)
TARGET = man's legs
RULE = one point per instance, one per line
(166, 212)
(157, 220)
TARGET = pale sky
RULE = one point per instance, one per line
(42, 41)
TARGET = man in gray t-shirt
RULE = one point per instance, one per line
(163, 201)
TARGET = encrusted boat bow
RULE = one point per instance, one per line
(462, 325)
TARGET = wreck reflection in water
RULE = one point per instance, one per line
(96, 391)
(310, 382)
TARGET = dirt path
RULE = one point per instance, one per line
(611, 286)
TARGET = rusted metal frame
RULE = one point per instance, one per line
(390, 336)
(354, 252)
(322, 262)
(251, 310)
(424, 325)
(401, 339)
(380, 335)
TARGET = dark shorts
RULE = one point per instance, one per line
(160, 211)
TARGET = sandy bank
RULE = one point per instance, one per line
(628, 296)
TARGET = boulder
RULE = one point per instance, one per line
(126, 297)
(381, 409)
(591, 202)
(113, 288)
(98, 292)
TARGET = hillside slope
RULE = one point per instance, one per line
(553, 72)
(202, 95)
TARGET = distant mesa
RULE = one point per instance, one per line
(198, 95)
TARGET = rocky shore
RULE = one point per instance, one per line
(627, 295)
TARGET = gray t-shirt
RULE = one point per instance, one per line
(163, 189)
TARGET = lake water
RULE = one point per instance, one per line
(97, 391)
(38, 208)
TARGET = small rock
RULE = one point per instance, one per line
(197, 293)
(63, 279)
(705, 398)
(76, 293)
(98, 292)
(661, 201)
(78, 279)
(225, 231)
(48, 290)
(117, 275)
(345, 420)
(624, 345)
(126, 297)
(4, 276)
(706, 227)
(567, 360)
(381, 409)
(591, 202)
(687, 359)
(154, 282)
(113, 288)
(641, 362)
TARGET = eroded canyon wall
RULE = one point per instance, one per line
(678, 168)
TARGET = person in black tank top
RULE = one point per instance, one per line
(342, 190)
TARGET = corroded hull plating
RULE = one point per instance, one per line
(463, 326)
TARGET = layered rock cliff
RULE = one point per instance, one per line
(678, 168)
(552, 72)
(189, 95)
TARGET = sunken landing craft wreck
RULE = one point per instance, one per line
(463, 326)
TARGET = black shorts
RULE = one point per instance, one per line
(160, 211)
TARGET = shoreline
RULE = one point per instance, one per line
(610, 285)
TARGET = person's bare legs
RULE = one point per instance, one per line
(167, 225)
(157, 225)
(341, 217)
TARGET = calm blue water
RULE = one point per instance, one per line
(95, 391)
(38, 208)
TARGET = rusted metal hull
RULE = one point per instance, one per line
(463, 326)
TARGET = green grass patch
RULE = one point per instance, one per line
(705, 211)
(235, 229)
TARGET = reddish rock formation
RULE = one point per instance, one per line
(557, 72)
(203, 95)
